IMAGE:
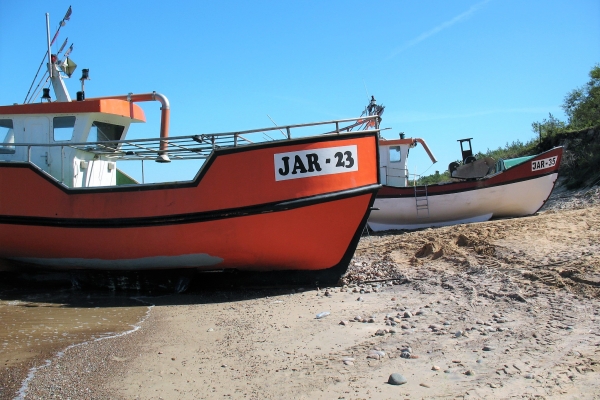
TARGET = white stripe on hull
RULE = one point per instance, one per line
(512, 200)
(147, 263)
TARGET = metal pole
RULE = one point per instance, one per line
(49, 54)
(62, 164)
(143, 180)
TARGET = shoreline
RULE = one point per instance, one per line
(516, 287)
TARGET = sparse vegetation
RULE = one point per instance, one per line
(580, 136)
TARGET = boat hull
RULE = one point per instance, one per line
(234, 215)
(519, 191)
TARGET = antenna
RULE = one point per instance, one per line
(62, 23)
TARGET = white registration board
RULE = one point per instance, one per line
(543, 164)
(317, 162)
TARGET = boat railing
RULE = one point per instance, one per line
(198, 146)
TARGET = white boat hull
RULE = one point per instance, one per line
(478, 204)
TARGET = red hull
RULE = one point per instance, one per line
(233, 215)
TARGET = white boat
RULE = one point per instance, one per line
(480, 189)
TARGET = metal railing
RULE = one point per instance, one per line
(198, 146)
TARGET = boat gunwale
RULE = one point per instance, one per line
(468, 185)
(201, 171)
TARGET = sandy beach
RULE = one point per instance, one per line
(500, 309)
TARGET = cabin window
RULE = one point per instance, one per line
(7, 135)
(395, 154)
(63, 128)
(102, 131)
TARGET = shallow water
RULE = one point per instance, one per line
(36, 324)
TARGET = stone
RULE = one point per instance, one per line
(435, 368)
(469, 372)
(380, 332)
(407, 314)
(488, 348)
(396, 379)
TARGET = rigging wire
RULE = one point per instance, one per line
(60, 25)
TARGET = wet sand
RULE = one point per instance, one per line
(39, 324)
(500, 309)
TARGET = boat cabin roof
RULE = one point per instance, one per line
(105, 106)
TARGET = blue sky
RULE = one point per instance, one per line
(445, 70)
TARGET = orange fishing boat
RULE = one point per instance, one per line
(295, 204)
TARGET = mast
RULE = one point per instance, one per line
(49, 52)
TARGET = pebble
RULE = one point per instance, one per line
(407, 314)
(435, 368)
(380, 332)
(529, 376)
(469, 372)
(322, 314)
(488, 348)
(396, 379)
(380, 353)
(424, 385)
(210, 330)
(458, 334)
(344, 322)
(359, 299)
(348, 362)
